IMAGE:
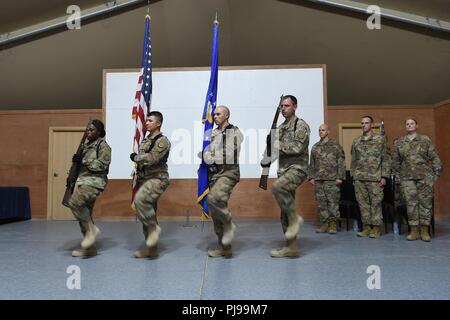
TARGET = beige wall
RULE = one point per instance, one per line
(394, 65)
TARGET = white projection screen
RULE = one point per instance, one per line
(251, 93)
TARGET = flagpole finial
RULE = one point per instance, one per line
(148, 7)
(215, 19)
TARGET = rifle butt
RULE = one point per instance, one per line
(263, 182)
(66, 198)
(68, 194)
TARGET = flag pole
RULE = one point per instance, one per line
(208, 122)
(135, 165)
(142, 103)
(203, 216)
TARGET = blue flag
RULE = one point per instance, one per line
(208, 122)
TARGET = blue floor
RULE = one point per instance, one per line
(35, 255)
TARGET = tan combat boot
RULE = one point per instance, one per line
(332, 227)
(323, 228)
(89, 252)
(288, 251)
(91, 233)
(222, 251)
(228, 234)
(424, 234)
(413, 234)
(293, 228)
(365, 231)
(375, 232)
(153, 235)
(147, 252)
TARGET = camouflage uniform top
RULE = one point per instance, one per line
(152, 160)
(293, 145)
(327, 161)
(222, 156)
(415, 159)
(370, 158)
(95, 164)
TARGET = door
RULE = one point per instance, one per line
(63, 143)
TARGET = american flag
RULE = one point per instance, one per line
(143, 97)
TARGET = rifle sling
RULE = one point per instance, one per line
(154, 142)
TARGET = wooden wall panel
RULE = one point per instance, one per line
(247, 201)
(24, 144)
(394, 118)
(442, 119)
(24, 141)
(24, 162)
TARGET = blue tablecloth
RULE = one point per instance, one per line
(15, 203)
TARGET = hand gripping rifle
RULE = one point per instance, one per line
(75, 169)
(268, 152)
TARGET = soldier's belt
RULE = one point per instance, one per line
(152, 169)
(220, 167)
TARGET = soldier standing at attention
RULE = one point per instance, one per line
(417, 166)
(153, 180)
(293, 156)
(222, 157)
(370, 168)
(326, 173)
(92, 178)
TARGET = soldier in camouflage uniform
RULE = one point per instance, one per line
(92, 178)
(417, 165)
(370, 168)
(222, 157)
(326, 173)
(293, 155)
(153, 180)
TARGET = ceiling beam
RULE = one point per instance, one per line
(405, 17)
(61, 21)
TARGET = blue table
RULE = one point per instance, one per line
(14, 203)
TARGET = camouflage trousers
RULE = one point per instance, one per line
(146, 199)
(369, 195)
(82, 202)
(284, 191)
(399, 200)
(419, 200)
(327, 196)
(218, 196)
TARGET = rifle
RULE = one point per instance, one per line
(74, 169)
(268, 152)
